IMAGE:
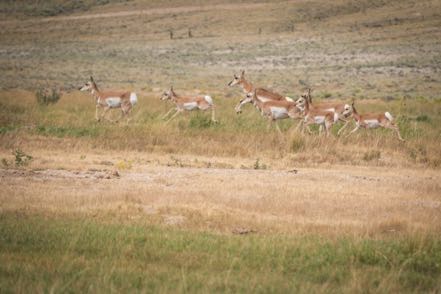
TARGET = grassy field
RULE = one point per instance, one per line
(193, 206)
(85, 256)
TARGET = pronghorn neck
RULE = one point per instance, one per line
(246, 86)
(306, 107)
(174, 97)
(95, 92)
(355, 114)
(257, 102)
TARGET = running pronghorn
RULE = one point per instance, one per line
(373, 121)
(188, 103)
(275, 110)
(110, 99)
(321, 117)
(263, 94)
(337, 107)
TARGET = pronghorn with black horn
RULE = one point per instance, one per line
(110, 99)
(188, 103)
(263, 94)
(321, 117)
(337, 107)
(373, 121)
(275, 110)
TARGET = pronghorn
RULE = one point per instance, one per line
(188, 103)
(110, 99)
(276, 109)
(337, 107)
(263, 94)
(373, 121)
(320, 117)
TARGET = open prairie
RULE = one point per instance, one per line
(234, 206)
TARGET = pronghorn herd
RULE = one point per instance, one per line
(271, 105)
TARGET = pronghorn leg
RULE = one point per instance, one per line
(103, 115)
(395, 128)
(353, 131)
(328, 125)
(277, 127)
(299, 125)
(213, 114)
(174, 115)
(343, 127)
(320, 129)
(96, 113)
(168, 112)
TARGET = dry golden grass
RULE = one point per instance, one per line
(158, 189)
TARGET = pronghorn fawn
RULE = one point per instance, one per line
(275, 110)
(110, 100)
(323, 118)
(337, 107)
(188, 103)
(373, 121)
(247, 87)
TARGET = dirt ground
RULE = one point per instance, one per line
(161, 190)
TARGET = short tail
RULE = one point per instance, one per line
(208, 99)
(289, 99)
(389, 116)
(133, 98)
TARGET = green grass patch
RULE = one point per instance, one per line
(42, 254)
(61, 132)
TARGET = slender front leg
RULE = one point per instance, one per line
(103, 115)
(168, 112)
(174, 115)
(353, 131)
(343, 127)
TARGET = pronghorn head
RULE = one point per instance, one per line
(237, 79)
(302, 100)
(89, 85)
(307, 95)
(166, 95)
(347, 110)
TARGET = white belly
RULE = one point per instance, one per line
(320, 119)
(372, 123)
(190, 105)
(113, 102)
(279, 112)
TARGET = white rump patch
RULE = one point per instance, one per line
(133, 98)
(389, 116)
(279, 112)
(113, 102)
(289, 99)
(190, 105)
(208, 99)
(372, 123)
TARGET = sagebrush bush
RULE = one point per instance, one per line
(46, 96)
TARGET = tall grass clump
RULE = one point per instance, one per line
(46, 97)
